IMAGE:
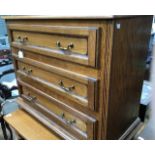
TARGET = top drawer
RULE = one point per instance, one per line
(75, 44)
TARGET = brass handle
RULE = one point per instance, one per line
(28, 72)
(69, 46)
(23, 68)
(31, 98)
(22, 40)
(19, 38)
(71, 122)
(68, 89)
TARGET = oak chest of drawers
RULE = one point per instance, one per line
(81, 77)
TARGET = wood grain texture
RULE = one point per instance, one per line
(127, 72)
(105, 78)
(28, 127)
(43, 119)
(110, 75)
(84, 40)
(62, 116)
(49, 41)
(49, 61)
(79, 89)
(57, 112)
(19, 17)
(54, 108)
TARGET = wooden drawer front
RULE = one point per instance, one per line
(75, 44)
(60, 84)
(68, 85)
(79, 124)
(51, 41)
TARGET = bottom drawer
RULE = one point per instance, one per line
(73, 121)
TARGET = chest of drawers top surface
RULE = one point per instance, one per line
(19, 17)
(79, 77)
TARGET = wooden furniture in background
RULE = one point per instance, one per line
(81, 77)
(28, 127)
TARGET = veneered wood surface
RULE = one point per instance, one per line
(112, 114)
(49, 41)
(40, 100)
(43, 119)
(56, 108)
(53, 78)
(130, 46)
(28, 127)
(19, 17)
(43, 39)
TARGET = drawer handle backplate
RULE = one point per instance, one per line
(28, 72)
(67, 89)
(70, 122)
(69, 46)
(22, 40)
(31, 98)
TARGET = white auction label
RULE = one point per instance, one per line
(20, 54)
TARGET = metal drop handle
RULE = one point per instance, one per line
(69, 46)
(70, 122)
(68, 89)
(28, 72)
(22, 40)
(31, 98)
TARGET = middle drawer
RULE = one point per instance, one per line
(80, 91)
